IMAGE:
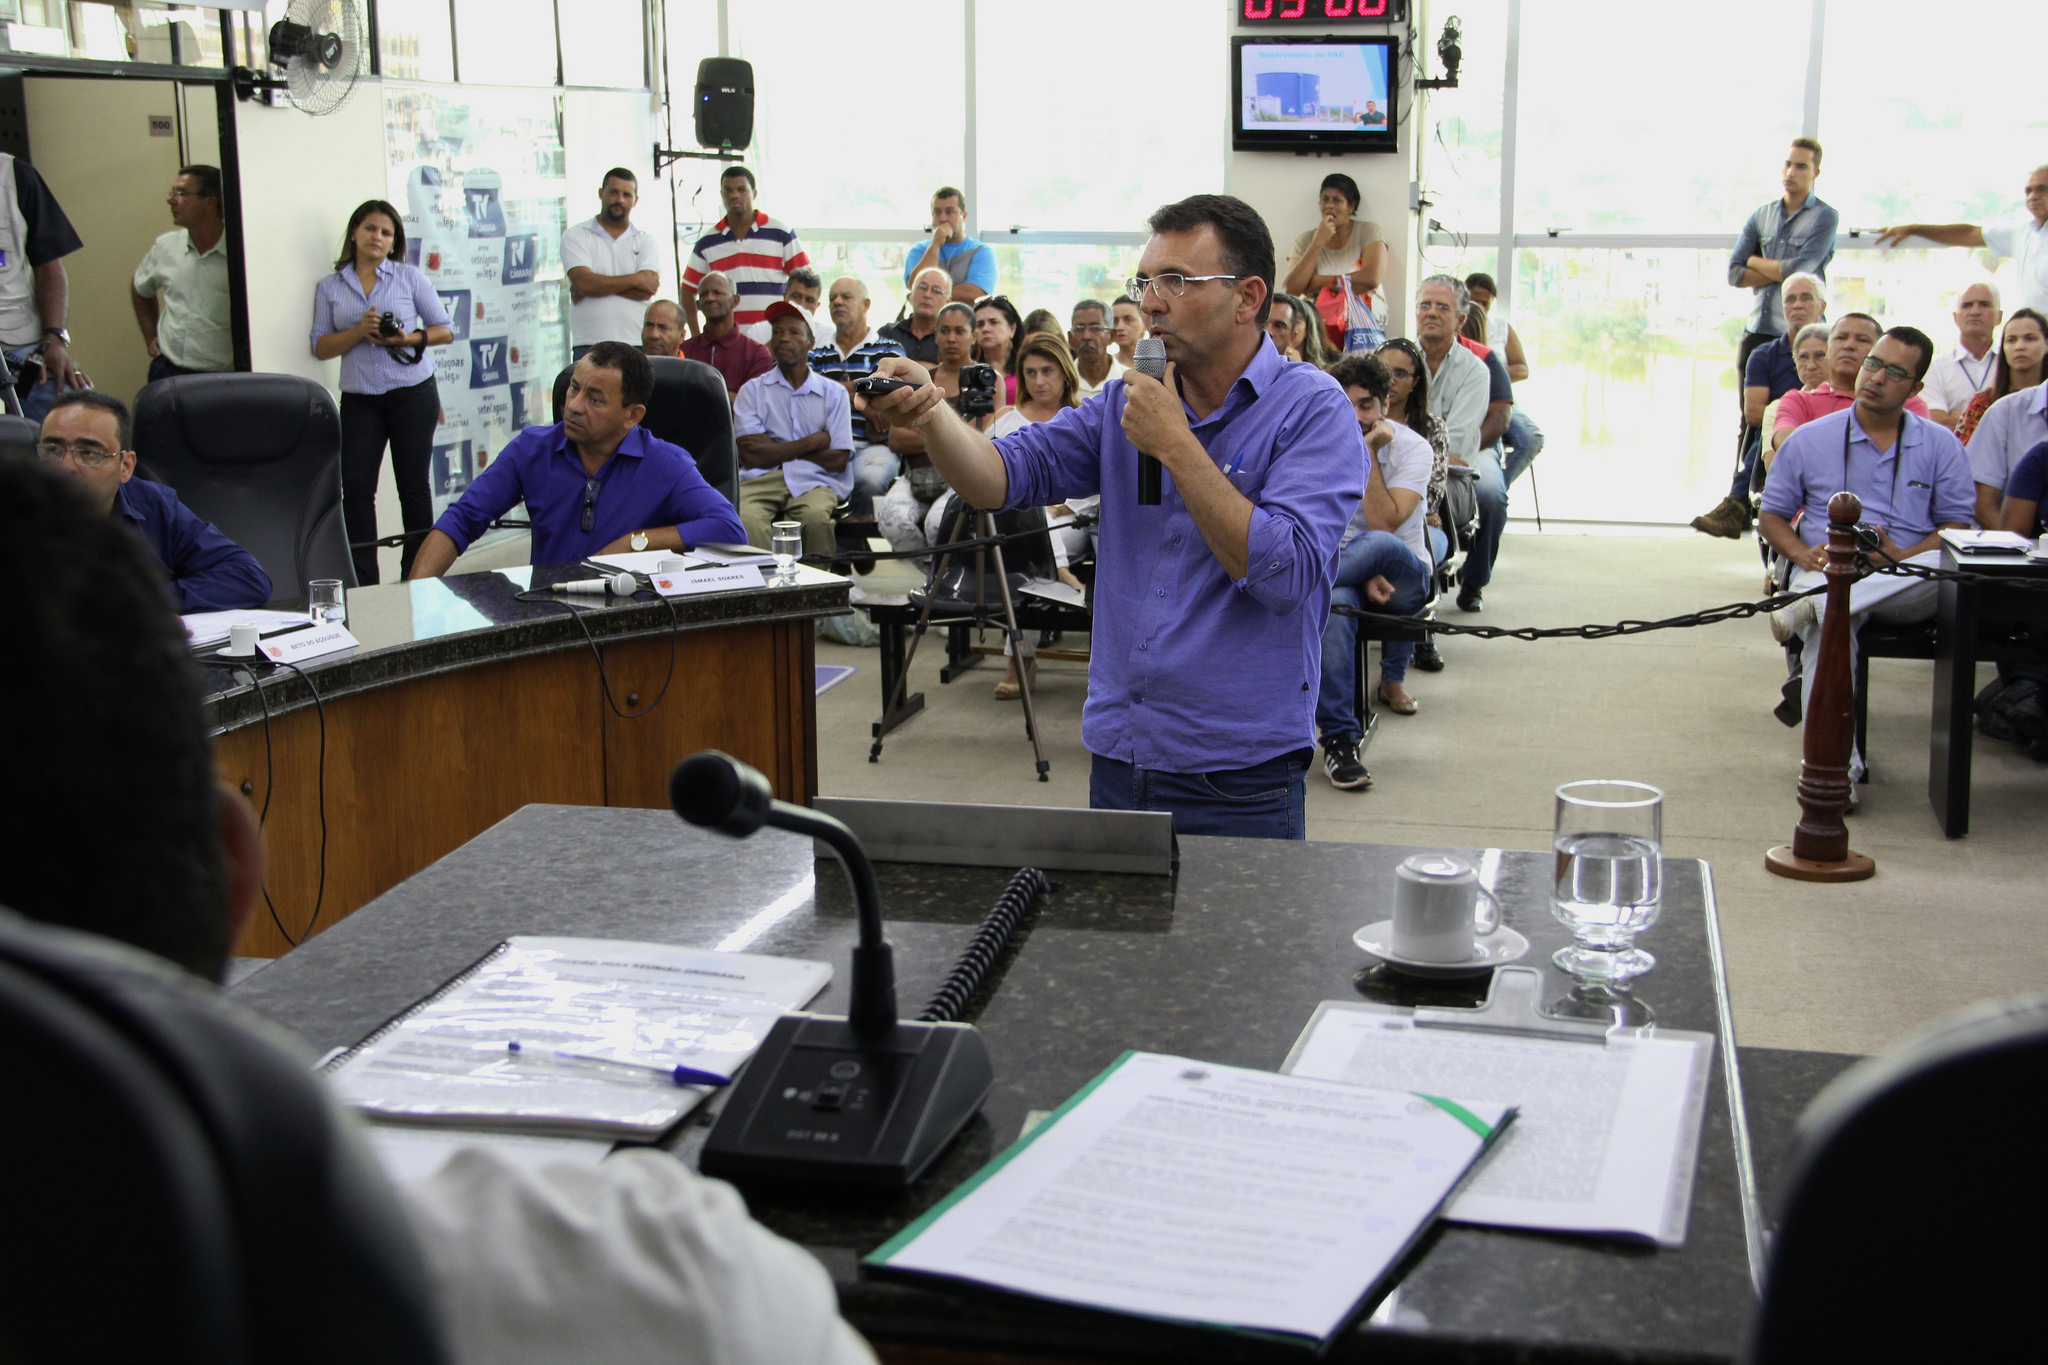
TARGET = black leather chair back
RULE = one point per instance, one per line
(1913, 1202)
(689, 408)
(174, 1103)
(259, 456)
(17, 437)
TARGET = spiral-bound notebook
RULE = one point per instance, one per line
(581, 1036)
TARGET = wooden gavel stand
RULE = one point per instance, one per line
(1819, 851)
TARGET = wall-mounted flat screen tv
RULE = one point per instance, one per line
(1312, 94)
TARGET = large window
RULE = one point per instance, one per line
(414, 40)
(603, 43)
(506, 42)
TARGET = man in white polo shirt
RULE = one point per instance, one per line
(613, 268)
(1963, 373)
(795, 436)
(2025, 239)
(180, 290)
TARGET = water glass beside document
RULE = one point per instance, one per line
(1608, 842)
(786, 539)
(325, 603)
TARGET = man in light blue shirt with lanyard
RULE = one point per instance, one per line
(1209, 606)
(1912, 477)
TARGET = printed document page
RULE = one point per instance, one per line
(1210, 1194)
(1607, 1136)
(600, 1024)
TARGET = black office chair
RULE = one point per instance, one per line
(259, 456)
(179, 1185)
(17, 437)
(1914, 1197)
(689, 408)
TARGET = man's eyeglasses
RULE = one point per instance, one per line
(590, 487)
(1898, 372)
(1169, 286)
(85, 454)
(1102, 328)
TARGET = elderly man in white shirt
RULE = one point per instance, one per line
(1458, 392)
(180, 290)
(2025, 239)
(2009, 428)
(1959, 375)
(795, 436)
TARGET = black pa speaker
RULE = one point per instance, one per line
(725, 103)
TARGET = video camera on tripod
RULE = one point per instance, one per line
(979, 385)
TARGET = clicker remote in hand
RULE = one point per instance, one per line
(875, 385)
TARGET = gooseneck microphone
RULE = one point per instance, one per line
(617, 585)
(717, 791)
(864, 1100)
(1149, 358)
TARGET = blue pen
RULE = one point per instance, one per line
(681, 1075)
(1235, 465)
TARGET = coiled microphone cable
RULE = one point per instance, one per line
(987, 945)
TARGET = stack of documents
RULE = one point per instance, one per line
(578, 1036)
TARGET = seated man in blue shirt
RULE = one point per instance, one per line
(594, 483)
(1912, 477)
(88, 432)
(1209, 604)
(795, 430)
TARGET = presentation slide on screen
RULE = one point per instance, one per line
(1313, 87)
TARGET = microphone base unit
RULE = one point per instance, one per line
(819, 1102)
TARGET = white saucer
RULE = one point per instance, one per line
(1492, 950)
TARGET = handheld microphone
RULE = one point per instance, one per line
(1149, 358)
(618, 585)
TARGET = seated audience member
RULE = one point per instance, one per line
(968, 264)
(1384, 559)
(721, 344)
(661, 329)
(87, 433)
(1460, 394)
(596, 482)
(1963, 373)
(1768, 376)
(1810, 362)
(996, 330)
(1408, 403)
(915, 505)
(1310, 342)
(1280, 326)
(849, 352)
(1127, 324)
(795, 431)
(2012, 421)
(1912, 477)
(917, 332)
(1522, 442)
(1849, 344)
(635, 1258)
(1500, 393)
(1042, 320)
(2022, 363)
(2025, 490)
(1089, 342)
(1339, 245)
(1049, 384)
(803, 289)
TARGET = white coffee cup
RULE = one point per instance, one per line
(1436, 909)
(672, 564)
(242, 636)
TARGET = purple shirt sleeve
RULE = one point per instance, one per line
(2029, 479)
(489, 496)
(1302, 510)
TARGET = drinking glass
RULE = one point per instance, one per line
(324, 602)
(786, 540)
(1608, 842)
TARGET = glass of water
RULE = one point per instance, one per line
(324, 602)
(1608, 844)
(786, 540)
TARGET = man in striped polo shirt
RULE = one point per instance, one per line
(754, 251)
(848, 352)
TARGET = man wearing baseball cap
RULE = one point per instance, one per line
(795, 431)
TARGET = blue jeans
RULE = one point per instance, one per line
(1745, 470)
(1371, 554)
(1493, 519)
(1524, 443)
(1264, 801)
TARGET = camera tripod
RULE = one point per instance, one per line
(984, 529)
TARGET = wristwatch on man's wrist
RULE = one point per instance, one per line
(63, 337)
(638, 540)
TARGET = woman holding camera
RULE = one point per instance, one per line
(380, 315)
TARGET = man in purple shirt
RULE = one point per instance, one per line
(1209, 607)
(1912, 477)
(594, 483)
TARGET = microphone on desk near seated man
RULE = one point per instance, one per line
(1150, 359)
(617, 585)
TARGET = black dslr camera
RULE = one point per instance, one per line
(388, 326)
(979, 385)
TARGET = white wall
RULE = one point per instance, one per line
(1283, 186)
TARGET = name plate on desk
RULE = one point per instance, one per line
(723, 578)
(311, 643)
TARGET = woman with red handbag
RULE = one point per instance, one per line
(1340, 250)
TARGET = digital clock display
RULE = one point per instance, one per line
(1318, 11)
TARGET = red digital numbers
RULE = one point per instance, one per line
(1299, 8)
(1337, 9)
(1258, 9)
(1332, 9)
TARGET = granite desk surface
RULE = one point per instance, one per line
(1225, 962)
(433, 625)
